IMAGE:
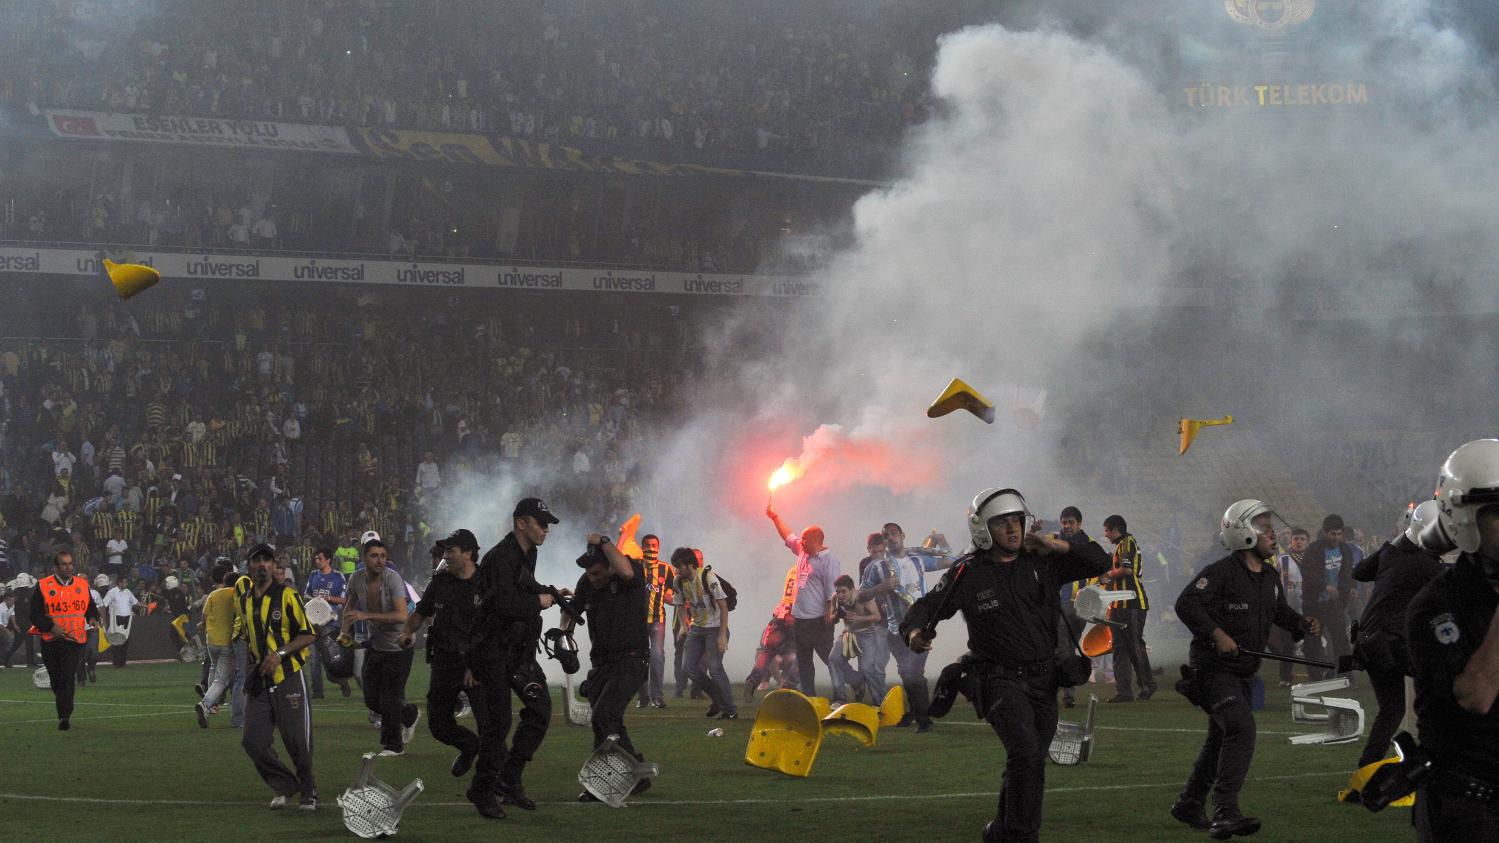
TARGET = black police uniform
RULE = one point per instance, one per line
(1398, 570)
(1068, 623)
(503, 654)
(1446, 623)
(453, 603)
(619, 648)
(1012, 611)
(1244, 604)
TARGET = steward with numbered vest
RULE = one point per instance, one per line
(62, 610)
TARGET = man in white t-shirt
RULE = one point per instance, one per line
(118, 604)
(700, 592)
(428, 475)
(114, 553)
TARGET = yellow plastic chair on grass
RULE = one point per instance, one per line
(787, 733)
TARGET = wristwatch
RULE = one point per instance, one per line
(281, 653)
(603, 540)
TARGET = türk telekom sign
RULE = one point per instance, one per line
(208, 267)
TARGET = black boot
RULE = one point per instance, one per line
(512, 792)
(1229, 822)
(1190, 813)
(489, 807)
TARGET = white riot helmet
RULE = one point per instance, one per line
(1469, 481)
(101, 581)
(1421, 517)
(170, 582)
(1235, 531)
(988, 504)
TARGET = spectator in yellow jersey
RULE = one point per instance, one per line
(1130, 656)
(218, 625)
(276, 697)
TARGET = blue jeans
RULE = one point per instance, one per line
(650, 690)
(222, 661)
(701, 644)
(912, 667)
(870, 677)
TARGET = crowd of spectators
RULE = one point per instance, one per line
(780, 83)
(196, 204)
(157, 441)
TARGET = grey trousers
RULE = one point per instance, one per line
(287, 708)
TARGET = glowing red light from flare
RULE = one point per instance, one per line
(788, 472)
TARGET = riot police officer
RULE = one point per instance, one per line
(507, 630)
(1398, 570)
(612, 593)
(1008, 588)
(1454, 652)
(451, 602)
(1231, 604)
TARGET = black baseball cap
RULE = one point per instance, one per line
(258, 550)
(594, 555)
(461, 539)
(536, 508)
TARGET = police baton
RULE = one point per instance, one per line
(1291, 659)
(929, 630)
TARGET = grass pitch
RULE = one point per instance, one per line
(137, 767)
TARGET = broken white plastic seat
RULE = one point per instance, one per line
(1343, 719)
(372, 808)
(611, 774)
(1073, 742)
(1092, 602)
(115, 633)
(579, 712)
(40, 679)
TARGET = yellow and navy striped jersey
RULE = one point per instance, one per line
(103, 524)
(1127, 557)
(129, 523)
(269, 622)
(658, 582)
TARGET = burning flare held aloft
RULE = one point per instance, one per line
(790, 470)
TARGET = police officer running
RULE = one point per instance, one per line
(1454, 649)
(62, 612)
(451, 601)
(612, 593)
(1008, 588)
(503, 645)
(276, 694)
(1398, 570)
(1231, 604)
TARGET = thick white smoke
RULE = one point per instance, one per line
(1061, 193)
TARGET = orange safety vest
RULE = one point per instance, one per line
(66, 606)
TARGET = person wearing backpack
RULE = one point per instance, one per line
(703, 595)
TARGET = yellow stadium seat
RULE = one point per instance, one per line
(1361, 777)
(894, 706)
(857, 720)
(787, 734)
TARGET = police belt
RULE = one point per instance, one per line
(618, 656)
(1043, 669)
(1450, 782)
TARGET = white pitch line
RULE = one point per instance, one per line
(649, 718)
(92, 719)
(85, 702)
(666, 803)
(1142, 729)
